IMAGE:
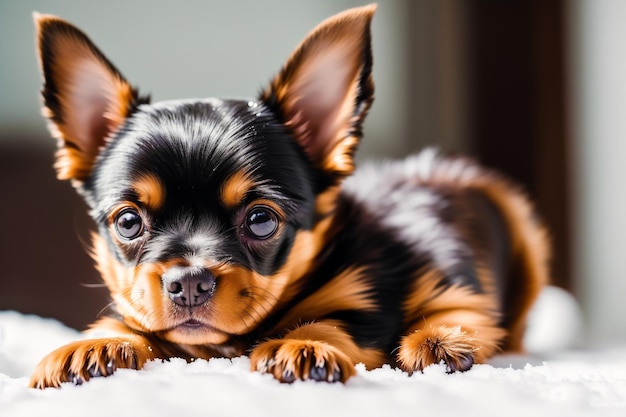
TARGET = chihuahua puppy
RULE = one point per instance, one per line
(237, 227)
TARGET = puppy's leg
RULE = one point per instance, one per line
(84, 359)
(320, 351)
(458, 337)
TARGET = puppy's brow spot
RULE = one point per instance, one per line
(150, 191)
(235, 188)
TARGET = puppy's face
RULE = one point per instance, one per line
(209, 212)
(199, 205)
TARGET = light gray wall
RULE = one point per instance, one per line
(181, 49)
(598, 82)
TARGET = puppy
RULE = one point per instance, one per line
(236, 227)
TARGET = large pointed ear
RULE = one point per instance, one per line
(325, 89)
(85, 97)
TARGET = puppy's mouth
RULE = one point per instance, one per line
(193, 331)
(191, 324)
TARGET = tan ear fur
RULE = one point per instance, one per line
(85, 97)
(325, 89)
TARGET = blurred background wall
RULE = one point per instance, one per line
(534, 88)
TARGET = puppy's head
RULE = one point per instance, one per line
(208, 211)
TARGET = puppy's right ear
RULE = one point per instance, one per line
(85, 97)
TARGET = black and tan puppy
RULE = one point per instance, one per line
(229, 227)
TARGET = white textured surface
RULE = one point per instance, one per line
(567, 384)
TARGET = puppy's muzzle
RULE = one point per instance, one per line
(188, 286)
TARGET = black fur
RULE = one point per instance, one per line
(193, 147)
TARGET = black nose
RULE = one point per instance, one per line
(188, 286)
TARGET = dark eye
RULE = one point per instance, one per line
(129, 224)
(261, 222)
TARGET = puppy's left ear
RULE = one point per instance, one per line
(325, 89)
(84, 95)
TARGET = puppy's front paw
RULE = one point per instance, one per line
(430, 346)
(289, 360)
(82, 360)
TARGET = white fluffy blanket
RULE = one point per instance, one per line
(568, 384)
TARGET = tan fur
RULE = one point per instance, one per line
(139, 298)
(326, 202)
(308, 244)
(235, 189)
(348, 290)
(428, 297)
(150, 191)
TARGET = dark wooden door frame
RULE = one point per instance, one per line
(519, 107)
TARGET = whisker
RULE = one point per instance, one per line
(252, 309)
(93, 285)
(106, 307)
(264, 299)
(246, 326)
(260, 304)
